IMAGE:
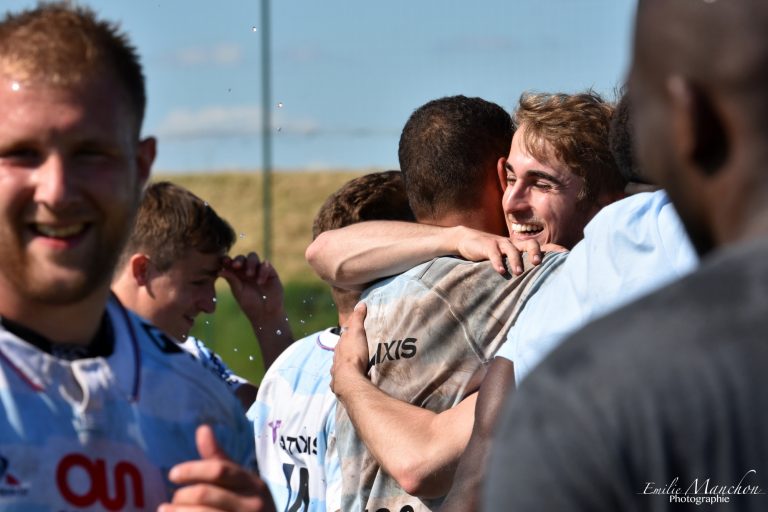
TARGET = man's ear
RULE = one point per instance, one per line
(140, 270)
(699, 134)
(145, 156)
(501, 172)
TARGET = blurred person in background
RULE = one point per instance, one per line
(167, 273)
(295, 411)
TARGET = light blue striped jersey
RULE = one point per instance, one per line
(101, 433)
(294, 424)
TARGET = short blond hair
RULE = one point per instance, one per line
(63, 45)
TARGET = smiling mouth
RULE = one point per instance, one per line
(61, 232)
(526, 229)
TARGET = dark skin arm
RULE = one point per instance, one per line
(465, 492)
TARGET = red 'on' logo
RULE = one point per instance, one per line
(125, 474)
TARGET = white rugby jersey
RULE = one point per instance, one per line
(101, 433)
(294, 423)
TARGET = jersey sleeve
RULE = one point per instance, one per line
(214, 363)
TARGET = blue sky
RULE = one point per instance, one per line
(348, 73)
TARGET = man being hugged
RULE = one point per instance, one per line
(432, 330)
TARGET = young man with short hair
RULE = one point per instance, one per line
(168, 269)
(91, 393)
(630, 248)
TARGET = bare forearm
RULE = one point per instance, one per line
(470, 474)
(358, 254)
(417, 447)
(258, 292)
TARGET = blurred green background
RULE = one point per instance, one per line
(228, 333)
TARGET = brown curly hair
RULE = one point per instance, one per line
(374, 196)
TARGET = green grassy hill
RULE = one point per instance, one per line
(296, 198)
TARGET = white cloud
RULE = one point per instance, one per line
(227, 121)
(222, 54)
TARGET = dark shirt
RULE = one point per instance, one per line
(650, 408)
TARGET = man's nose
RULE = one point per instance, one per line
(56, 185)
(516, 198)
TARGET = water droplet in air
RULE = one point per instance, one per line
(15, 86)
(242, 235)
(207, 322)
(214, 299)
(280, 129)
(250, 358)
(279, 104)
(254, 28)
(302, 321)
(205, 203)
(264, 297)
(304, 301)
(235, 349)
(278, 332)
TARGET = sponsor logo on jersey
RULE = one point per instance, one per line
(10, 485)
(301, 503)
(274, 425)
(393, 351)
(85, 482)
(299, 444)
